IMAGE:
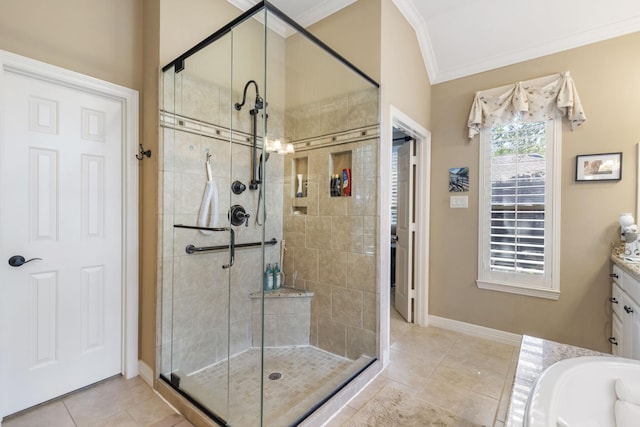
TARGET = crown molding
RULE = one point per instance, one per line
(436, 75)
(408, 9)
(573, 41)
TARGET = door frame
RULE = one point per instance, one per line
(422, 204)
(128, 98)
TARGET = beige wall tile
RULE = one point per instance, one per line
(293, 329)
(332, 336)
(346, 233)
(334, 206)
(364, 196)
(321, 301)
(361, 272)
(318, 232)
(333, 268)
(306, 264)
(313, 333)
(346, 306)
(370, 310)
(360, 342)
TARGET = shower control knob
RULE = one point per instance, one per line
(238, 215)
(238, 187)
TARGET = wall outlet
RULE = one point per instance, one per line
(458, 201)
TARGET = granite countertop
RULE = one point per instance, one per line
(617, 257)
(535, 356)
(283, 292)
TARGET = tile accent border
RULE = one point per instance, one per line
(475, 330)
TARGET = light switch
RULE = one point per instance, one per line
(458, 201)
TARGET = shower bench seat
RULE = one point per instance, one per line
(287, 317)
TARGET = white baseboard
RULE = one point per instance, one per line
(145, 372)
(475, 330)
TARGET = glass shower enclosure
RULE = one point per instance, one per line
(268, 217)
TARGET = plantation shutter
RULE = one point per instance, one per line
(518, 196)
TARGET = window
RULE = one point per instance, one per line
(519, 208)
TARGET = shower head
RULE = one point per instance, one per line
(266, 157)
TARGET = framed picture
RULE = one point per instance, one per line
(599, 167)
(458, 179)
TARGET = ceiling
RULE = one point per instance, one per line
(458, 38)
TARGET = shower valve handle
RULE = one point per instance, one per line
(238, 215)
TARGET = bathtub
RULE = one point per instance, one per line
(579, 392)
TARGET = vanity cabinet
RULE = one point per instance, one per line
(625, 320)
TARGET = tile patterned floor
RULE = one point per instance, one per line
(308, 375)
(115, 402)
(435, 378)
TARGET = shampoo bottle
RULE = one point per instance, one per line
(268, 278)
(346, 182)
(276, 277)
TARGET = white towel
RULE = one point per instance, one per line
(208, 215)
(628, 391)
(627, 414)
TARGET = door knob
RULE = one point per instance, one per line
(18, 260)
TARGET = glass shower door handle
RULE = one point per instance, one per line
(232, 248)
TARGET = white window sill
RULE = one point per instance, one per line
(531, 291)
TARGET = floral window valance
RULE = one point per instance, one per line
(544, 98)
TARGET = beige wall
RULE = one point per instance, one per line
(607, 76)
(97, 38)
(404, 76)
(103, 40)
(184, 23)
(354, 32)
(149, 183)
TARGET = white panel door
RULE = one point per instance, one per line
(61, 201)
(404, 231)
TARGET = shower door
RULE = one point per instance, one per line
(214, 221)
(244, 355)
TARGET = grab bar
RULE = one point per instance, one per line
(232, 244)
(191, 249)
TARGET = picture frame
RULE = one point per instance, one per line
(599, 167)
(458, 179)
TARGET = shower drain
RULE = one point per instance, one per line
(275, 376)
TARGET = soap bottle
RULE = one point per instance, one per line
(276, 277)
(268, 278)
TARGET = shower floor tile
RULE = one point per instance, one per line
(307, 375)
